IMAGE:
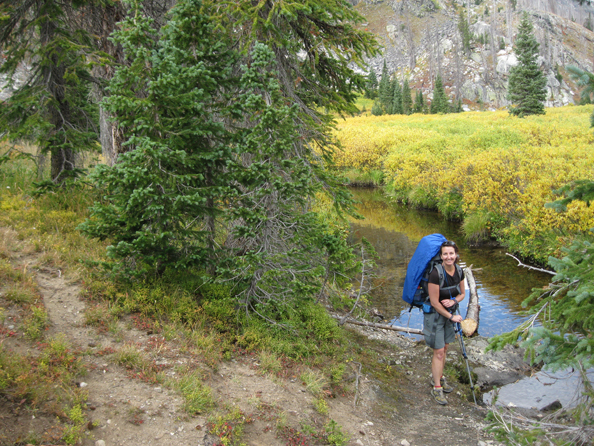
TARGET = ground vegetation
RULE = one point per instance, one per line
(490, 170)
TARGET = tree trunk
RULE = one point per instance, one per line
(62, 155)
(471, 323)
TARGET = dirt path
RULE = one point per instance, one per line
(128, 411)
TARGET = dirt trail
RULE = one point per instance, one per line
(129, 411)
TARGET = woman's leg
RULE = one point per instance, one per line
(437, 364)
(445, 351)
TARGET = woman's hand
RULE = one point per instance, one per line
(448, 303)
(456, 318)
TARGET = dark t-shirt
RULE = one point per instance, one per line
(448, 281)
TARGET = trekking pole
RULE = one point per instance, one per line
(458, 330)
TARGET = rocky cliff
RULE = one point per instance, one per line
(421, 38)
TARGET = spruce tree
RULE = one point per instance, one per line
(163, 195)
(465, 33)
(527, 83)
(439, 104)
(371, 85)
(384, 93)
(52, 108)
(396, 98)
(376, 109)
(419, 106)
(406, 98)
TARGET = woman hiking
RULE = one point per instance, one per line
(438, 325)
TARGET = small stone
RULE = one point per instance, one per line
(99, 443)
(405, 443)
(92, 344)
(83, 384)
(11, 327)
(359, 442)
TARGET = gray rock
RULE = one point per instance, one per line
(488, 378)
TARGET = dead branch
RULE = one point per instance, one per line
(382, 326)
(553, 273)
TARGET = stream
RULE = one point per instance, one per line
(395, 230)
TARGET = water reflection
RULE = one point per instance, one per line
(395, 230)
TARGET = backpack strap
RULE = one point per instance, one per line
(441, 272)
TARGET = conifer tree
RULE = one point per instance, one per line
(396, 98)
(419, 106)
(406, 98)
(51, 109)
(527, 83)
(465, 33)
(376, 109)
(384, 93)
(371, 85)
(439, 104)
(161, 197)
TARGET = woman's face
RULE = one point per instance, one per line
(448, 255)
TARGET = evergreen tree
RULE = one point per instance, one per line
(465, 33)
(220, 172)
(164, 193)
(419, 106)
(439, 104)
(384, 93)
(406, 98)
(584, 79)
(527, 83)
(371, 85)
(396, 98)
(376, 109)
(52, 108)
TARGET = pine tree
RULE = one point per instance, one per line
(419, 106)
(161, 197)
(384, 93)
(465, 33)
(371, 85)
(220, 172)
(439, 104)
(376, 109)
(52, 108)
(396, 98)
(406, 98)
(527, 83)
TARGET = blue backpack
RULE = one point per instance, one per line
(425, 258)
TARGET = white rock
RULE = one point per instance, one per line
(99, 443)
(405, 443)
(83, 384)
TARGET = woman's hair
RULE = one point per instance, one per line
(449, 243)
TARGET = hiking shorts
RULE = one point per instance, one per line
(438, 330)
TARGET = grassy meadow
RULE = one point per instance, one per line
(493, 171)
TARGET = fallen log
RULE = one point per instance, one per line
(471, 322)
(382, 326)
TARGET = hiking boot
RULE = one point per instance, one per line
(444, 385)
(438, 396)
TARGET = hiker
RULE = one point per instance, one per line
(439, 323)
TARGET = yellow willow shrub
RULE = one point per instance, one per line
(487, 162)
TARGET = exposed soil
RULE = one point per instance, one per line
(128, 411)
